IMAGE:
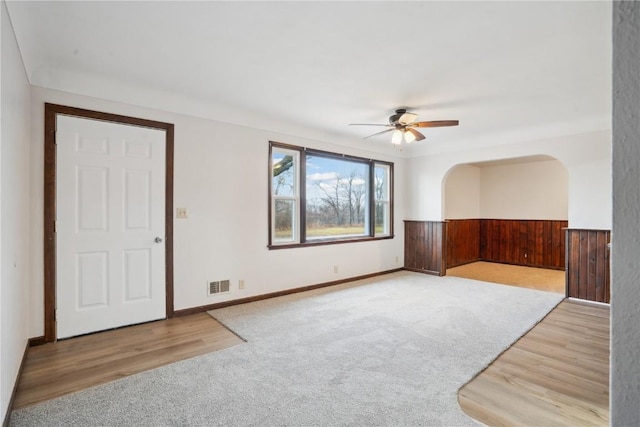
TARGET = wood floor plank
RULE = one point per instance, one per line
(67, 366)
(557, 374)
(543, 363)
(564, 399)
(492, 394)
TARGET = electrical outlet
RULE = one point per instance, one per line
(181, 213)
(335, 269)
(396, 260)
(241, 284)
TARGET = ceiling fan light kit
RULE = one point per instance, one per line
(399, 135)
(396, 138)
(403, 125)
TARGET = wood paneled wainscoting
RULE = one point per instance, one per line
(433, 246)
(531, 243)
(587, 264)
(463, 241)
(424, 246)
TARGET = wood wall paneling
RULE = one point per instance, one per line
(424, 246)
(463, 241)
(534, 243)
(432, 247)
(587, 264)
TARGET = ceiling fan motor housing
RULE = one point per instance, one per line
(393, 119)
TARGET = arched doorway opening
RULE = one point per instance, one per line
(506, 220)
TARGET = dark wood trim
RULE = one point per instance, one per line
(269, 198)
(36, 341)
(337, 156)
(50, 113)
(372, 202)
(418, 270)
(7, 415)
(200, 309)
(329, 242)
(168, 218)
(302, 193)
(107, 117)
(392, 193)
(587, 268)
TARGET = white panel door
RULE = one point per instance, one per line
(110, 198)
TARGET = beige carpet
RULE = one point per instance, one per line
(527, 277)
(390, 350)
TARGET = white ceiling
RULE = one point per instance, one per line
(509, 71)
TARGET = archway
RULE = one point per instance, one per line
(510, 213)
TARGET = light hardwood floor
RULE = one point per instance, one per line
(67, 366)
(555, 375)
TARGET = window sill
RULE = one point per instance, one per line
(324, 242)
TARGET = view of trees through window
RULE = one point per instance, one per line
(285, 196)
(336, 199)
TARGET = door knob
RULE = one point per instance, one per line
(158, 239)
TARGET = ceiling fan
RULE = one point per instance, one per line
(403, 125)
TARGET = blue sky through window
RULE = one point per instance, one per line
(324, 172)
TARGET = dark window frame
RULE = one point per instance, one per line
(301, 212)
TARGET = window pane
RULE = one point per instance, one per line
(337, 197)
(382, 182)
(284, 176)
(382, 218)
(284, 221)
(382, 203)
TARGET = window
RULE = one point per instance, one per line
(382, 178)
(285, 196)
(318, 197)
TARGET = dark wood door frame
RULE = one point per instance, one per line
(50, 113)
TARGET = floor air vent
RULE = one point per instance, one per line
(218, 287)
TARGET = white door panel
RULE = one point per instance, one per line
(109, 211)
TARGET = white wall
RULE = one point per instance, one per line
(522, 190)
(14, 211)
(533, 190)
(625, 280)
(462, 193)
(221, 176)
(587, 158)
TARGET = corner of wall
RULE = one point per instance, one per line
(15, 106)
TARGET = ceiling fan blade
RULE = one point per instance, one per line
(407, 118)
(366, 124)
(418, 135)
(435, 123)
(379, 133)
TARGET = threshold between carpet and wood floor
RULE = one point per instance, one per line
(123, 354)
(56, 369)
(555, 375)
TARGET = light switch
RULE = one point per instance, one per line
(181, 213)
